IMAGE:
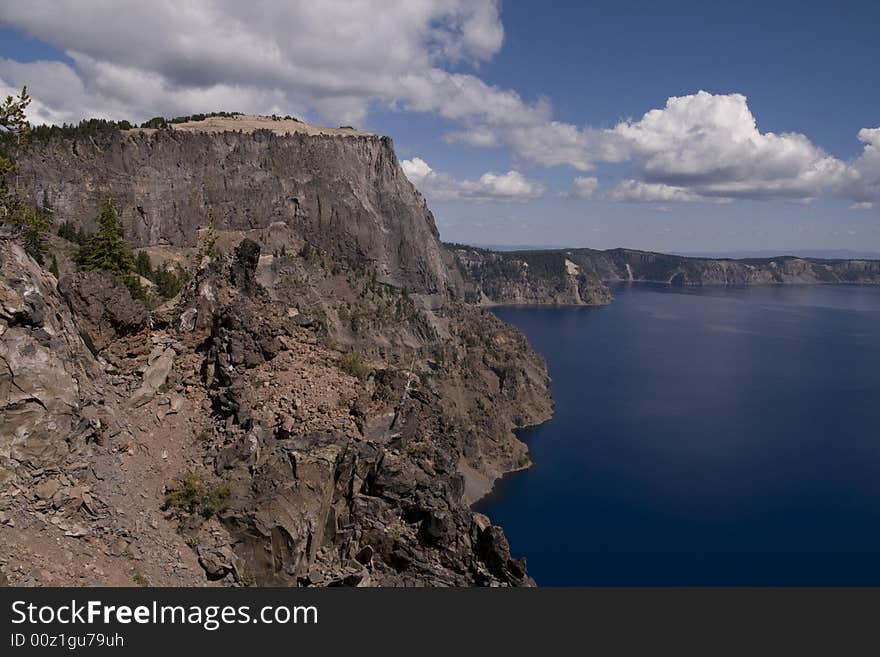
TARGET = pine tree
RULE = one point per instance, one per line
(14, 133)
(53, 267)
(106, 249)
(31, 222)
(34, 225)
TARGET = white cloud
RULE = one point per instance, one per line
(584, 187)
(709, 146)
(334, 57)
(510, 186)
(862, 181)
(334, 60)
(416, 169)
(636, 191)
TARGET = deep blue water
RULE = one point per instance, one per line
(703, 437)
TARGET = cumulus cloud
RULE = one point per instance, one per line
(709, 145)
(335, 60)
(584, 187)
(637, 191)
(862, 180)
(510, 186)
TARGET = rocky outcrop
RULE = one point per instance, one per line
(328, 495)
(50, 383)
(103, 306)
(343, 193)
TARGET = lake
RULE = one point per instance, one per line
(703, 436)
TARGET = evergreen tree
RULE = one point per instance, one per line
(143, 266)
(31, 222)
(53, 267)
(14, 134)
(34, 225)
(106, 249)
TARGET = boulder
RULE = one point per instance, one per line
(154, 378)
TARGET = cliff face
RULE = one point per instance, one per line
(343, 193)
(632, 265)
(576, 276)
(317, 407)
(527, 277)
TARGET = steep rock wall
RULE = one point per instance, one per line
(645, 266)
(345, 194)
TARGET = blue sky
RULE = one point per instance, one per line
(523, 122)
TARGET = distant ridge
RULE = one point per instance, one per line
(822, 254)
(576, 276)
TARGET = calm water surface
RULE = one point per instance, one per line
(703, 436)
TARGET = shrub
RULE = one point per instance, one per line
(191, 495)
(138, 578)
(351, 363)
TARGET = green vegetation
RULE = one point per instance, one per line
(351, 363)
(67, 230)
(311, 254)
(32, 223)
(169, 280)
(159, 122)
(101, 127)
(138, 578)
(207, 241)
(85, 128)
(107, 249)
(192, 495)
(419, 449)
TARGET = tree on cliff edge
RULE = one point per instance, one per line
(31, 222)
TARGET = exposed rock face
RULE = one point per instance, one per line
(242, 448)
(319, 405)
(314, 496)
(576, 276)
(345, 194)
(534, 277)
(49, 381)
(546, 276)
(103, 306)
(631, 265)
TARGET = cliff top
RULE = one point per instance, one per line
(246, 123)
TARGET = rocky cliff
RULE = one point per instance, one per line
(645, 266)
(344, 193)
(527, 277)
(576, 276)
(251, 431)
(317, 407)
